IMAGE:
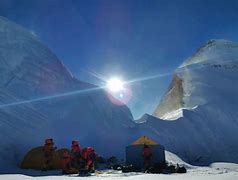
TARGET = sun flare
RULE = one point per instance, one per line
(115, 84)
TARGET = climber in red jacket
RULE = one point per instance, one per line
(91, 159)
(84, 155)
(77, 154)
(49, 150)
(66, 162)
(146, 154)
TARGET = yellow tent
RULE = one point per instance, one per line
(145, 140)
(35, 159)
(134, 152)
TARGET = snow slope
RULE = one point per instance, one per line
(204, 106)
(190, 176)
(224, 171)
(217, 171)
(197, 173)
(29, 70)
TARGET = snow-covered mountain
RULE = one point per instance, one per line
(200, 79)
(29, 70)
(202, 101)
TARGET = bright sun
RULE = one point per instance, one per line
(115, 84)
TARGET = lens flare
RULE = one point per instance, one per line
(120, 98)
(115, 85)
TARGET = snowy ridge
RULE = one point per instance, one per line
(214, 51)
(173, 115)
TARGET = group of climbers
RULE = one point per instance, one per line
(75, 160)
(79, 159)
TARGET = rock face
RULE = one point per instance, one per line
(32, 80)
(203, 103)
(173, 99)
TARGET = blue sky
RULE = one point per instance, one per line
(129, 38)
